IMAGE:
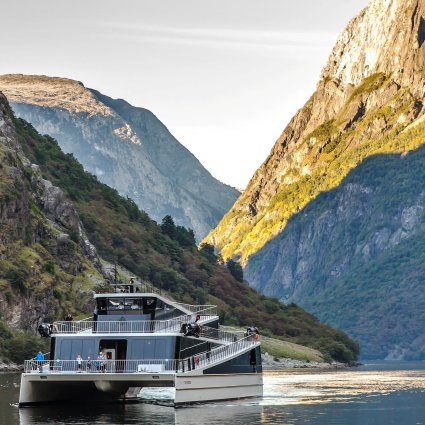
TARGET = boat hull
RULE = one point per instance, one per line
(85, 387)
(102, 388)
(203, 388)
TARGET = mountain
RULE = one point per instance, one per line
(58, 227)
(47, 264)
(368, 101)
(355, 256)
(126, 147)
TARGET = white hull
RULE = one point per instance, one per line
(94, 387)
(90, 387)
(202, 388)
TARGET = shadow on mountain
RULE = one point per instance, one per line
(355, 256)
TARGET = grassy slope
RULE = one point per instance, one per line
(278, 348)
(120, 231)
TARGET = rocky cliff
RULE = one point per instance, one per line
(355, 257)
(372, 86)
(126, 147)
(46, 260)
(369, 100)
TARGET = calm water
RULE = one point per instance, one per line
(387, 393)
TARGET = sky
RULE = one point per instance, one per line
(225, 76)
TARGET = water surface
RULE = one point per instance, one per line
(375, 394)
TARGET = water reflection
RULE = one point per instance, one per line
(98, 414)
(350, 397)
(305, 387)
(141, 413)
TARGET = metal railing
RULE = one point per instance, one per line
(99, 366)
(241, 332)
(137, 326)
(139, 286)
(218, 335)
(197, 361)
(197, 308)
(216, 355)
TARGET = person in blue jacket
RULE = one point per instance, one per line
(40, 357)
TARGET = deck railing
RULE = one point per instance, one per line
(241, 332)
(137, 326)
(197, 361)
(99, 366)
(166, 326)
(217, 334)
(217, 355)
(196, 308)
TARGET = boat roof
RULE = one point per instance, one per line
(128, 295)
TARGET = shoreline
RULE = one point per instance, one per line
(273, 363)
(10, 367)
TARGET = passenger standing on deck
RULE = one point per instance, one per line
(39, 357)
(68, 319)
(79, 360)
(99, 362)
(88, 364)
(103, 362)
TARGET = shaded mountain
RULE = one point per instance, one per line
(126, 147)
(50, 211)
(367, 239)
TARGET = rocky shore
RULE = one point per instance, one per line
(10, 367)
(270, 362)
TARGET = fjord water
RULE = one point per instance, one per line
(374, 394)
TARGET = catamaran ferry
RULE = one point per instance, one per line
(140, 338)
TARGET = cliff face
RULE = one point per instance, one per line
(47, 265)
(127, 148)
(369, 100)
(372, 85)
(355, 257)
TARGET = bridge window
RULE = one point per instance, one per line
(125, 305)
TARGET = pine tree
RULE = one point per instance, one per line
(235, 270)
(168, 227)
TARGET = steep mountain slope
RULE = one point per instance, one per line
(48, 266)
(126, 147)
(367, 239)
(371, 89)
(369, 100)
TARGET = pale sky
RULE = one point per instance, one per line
(225, 76)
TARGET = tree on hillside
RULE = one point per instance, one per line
(235, 269)
(207, 251)
(185, 237)
(168, 227)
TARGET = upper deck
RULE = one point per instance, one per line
(137, 312)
